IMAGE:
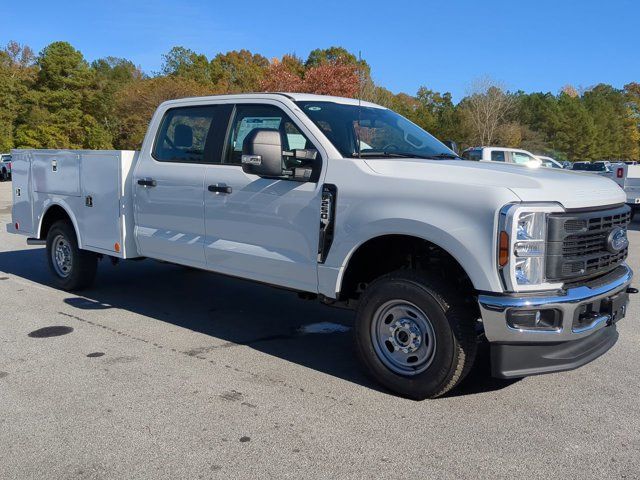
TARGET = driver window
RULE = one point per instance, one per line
(250, 117)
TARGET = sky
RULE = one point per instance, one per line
(444, 45)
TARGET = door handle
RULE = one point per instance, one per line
(219, 188)
(147, 182)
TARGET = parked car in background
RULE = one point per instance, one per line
(631, 162)
(5, 167)
(550, 162)
(502, 154)
(587, 166)
(628, 177)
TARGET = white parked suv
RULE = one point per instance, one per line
(502, 154)
(355, 206)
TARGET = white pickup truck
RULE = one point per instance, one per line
(354, 205)
(628, 177)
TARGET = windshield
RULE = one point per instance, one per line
(372, 132)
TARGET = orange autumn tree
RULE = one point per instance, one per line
(328, 78)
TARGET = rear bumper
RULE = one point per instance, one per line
(520, 352)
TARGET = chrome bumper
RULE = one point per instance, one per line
(494, 308)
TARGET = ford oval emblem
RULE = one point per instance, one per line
(617, 240)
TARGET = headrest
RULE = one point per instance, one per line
(183, 136)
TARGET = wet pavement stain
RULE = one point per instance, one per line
(231, 396)
(47, 332)
(245, 439)
(95, 354)
(4, 374)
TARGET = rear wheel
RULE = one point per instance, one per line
(413, 334)
(72, 268)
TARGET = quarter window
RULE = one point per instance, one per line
(183, 135)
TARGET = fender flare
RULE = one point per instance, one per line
(48, 204)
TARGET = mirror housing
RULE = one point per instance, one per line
(262, 153)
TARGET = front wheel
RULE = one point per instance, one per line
(72, 268)
(414, 335)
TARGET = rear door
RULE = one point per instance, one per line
(265, 229)
(169, 185)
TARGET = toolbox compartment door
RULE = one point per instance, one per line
(100, 179)
(22, 210)
(56, 172)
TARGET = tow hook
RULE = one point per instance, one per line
(632, 290)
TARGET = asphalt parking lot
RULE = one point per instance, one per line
(165, 372)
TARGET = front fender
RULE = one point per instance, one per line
(462, 225)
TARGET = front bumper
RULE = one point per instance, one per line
(521, 352)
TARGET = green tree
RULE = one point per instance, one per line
(575, 132)
(238, 71)
(17, 73)
(182, 62)
(54, 116)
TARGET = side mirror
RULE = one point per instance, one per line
(452, 145)
(262, 153)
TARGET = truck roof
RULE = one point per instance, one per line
(296, 97)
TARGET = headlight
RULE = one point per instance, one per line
(522, 236)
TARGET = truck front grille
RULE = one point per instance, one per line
(577, 244)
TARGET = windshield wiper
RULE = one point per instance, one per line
(438, 156)
(449, 156)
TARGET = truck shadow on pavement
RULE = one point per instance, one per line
(231, 311)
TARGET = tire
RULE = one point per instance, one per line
(3, 175)
(440, 352)
(73, 269)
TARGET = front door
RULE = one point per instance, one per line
(169, 184)
(262, 228)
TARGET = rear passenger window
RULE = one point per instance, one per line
(183, 135)
(497, 156)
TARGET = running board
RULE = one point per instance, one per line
(36, 241)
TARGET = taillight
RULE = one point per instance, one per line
(17, 225)
(620, 173)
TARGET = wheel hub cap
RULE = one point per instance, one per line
(403, 337)
(61, 256)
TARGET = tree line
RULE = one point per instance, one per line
(56, 99)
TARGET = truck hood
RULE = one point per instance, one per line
(571, 189)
